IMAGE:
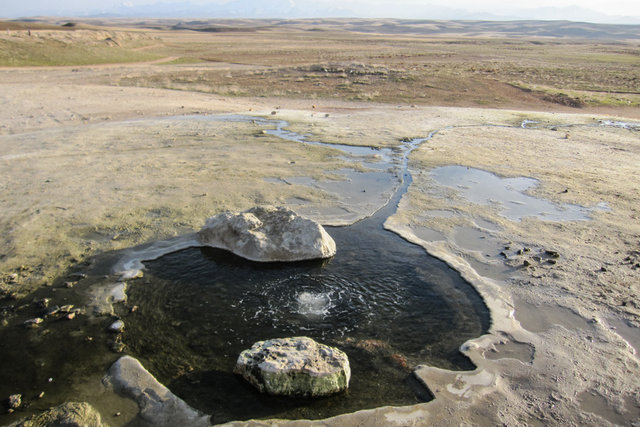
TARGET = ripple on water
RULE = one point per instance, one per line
(314, 305)
(327, 304)
(380, 299)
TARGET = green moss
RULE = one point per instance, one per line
(304, 385)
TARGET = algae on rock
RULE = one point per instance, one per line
(298, 366)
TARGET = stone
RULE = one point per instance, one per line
(66, 308)
(117, 326)
(268, 234)
(15, 400)
(71, 414)
(158, 406)
(43, 303)
(117, 346)
(32, 323)
(52, 311)
(297, 367)
(103, 298)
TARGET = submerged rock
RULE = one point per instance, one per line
(15, 400)
(105, 296)
(67, 414)
(268, 234)
(33, 323)
(158, 406)
(117, 326)
(296, 366)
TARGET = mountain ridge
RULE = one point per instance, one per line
(296, 9)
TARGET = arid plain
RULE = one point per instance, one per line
(102, 150)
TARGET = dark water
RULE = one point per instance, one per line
(383, 301)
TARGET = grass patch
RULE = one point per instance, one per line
(579, 99)
(54, 49)
(184, 60)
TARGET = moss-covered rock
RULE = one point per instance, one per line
(296, 366)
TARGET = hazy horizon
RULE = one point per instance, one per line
(615, 11)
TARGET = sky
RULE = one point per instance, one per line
(619, 8)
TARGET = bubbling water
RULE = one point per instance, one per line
(328, 304)
(313, 305)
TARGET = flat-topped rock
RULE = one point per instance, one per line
(298, 366)
(268, 234)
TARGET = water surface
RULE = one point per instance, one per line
(383, 301)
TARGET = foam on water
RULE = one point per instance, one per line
(313, 305)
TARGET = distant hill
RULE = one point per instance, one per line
(296, 9)
(555, 29)
(562, 29)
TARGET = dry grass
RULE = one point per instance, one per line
(263, 58)
(42, 46)
(411, 69)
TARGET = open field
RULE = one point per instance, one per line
(455, 65)
(108, 140)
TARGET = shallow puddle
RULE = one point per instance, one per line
(509, 348)
(600, 406)
(508, 195)
(628, 332)
(539, 318)
(62, 358)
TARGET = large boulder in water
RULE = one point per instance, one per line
(268, 234)
(299, 367)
